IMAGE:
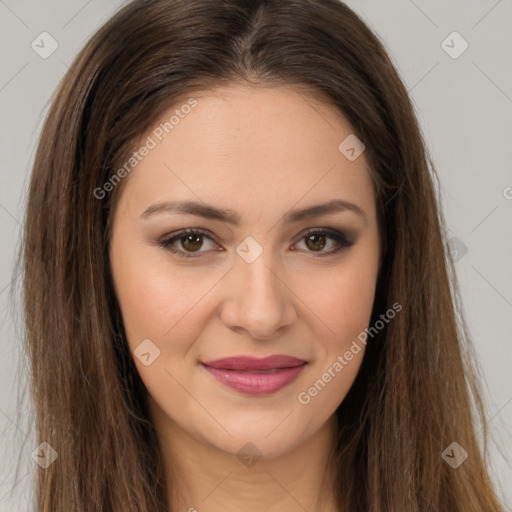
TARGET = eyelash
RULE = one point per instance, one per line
(340, 238)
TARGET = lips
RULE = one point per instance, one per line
(255, 376)
(244, 363)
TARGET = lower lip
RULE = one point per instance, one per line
(257, 384)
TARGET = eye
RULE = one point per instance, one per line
(315, 240)
(191, 241)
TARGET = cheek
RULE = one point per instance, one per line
(341, 302)
(156, 300)
(342, 297)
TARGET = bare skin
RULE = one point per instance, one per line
(260, 152)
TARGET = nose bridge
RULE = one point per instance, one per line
(260, 281)
(260, 303)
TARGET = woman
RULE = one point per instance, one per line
(235, 252)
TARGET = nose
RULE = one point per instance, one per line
(258, 301)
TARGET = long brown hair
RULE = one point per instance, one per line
(416, 391)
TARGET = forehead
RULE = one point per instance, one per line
(264, 122)
(248, 143)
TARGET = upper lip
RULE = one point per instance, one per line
(254, 363)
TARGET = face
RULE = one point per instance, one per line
(270, 293)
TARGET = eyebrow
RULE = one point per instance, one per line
(232, 217)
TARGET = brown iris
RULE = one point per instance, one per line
(315, 243)
(191, 242)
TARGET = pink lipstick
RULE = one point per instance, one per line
(256, 376)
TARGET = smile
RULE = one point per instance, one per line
(254, 376)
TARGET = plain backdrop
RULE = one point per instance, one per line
(463, 98)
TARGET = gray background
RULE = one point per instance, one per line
(465, 109)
